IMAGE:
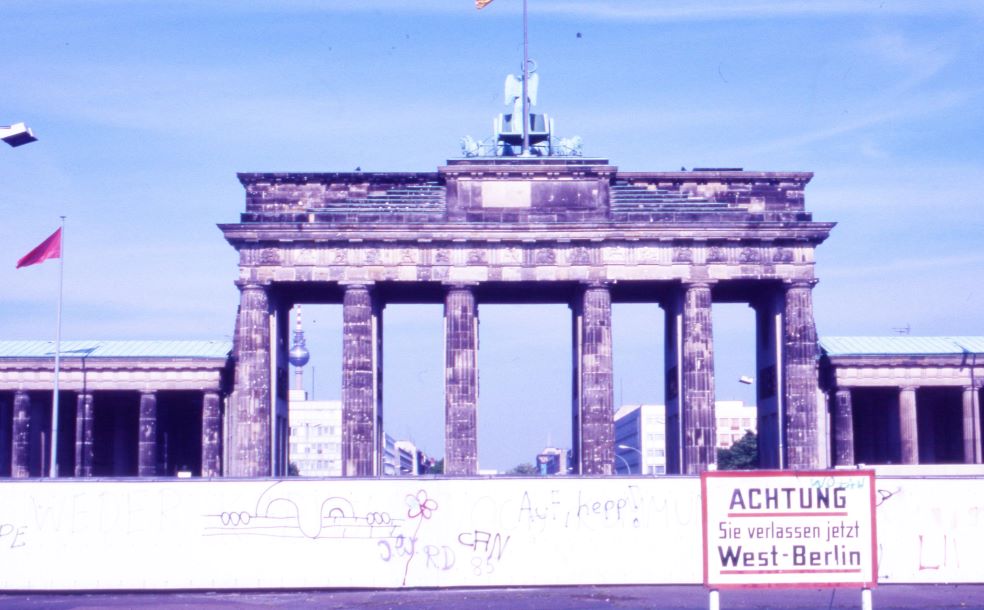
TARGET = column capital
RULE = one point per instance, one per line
(252, 285)
(808, 283)
(469, 286)
(908, 388)
(701, 283)
(356, 284)
(596, 284)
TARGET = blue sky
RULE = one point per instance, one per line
(146, 110)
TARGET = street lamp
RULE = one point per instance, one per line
(17, 134)
(630, 448)
(628, 469)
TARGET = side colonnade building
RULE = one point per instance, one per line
(568, 230)
(904, 399)
(125, 408)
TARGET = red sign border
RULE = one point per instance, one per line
(725, 474)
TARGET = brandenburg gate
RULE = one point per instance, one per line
(529, 229)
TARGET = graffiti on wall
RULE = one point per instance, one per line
(425, 532)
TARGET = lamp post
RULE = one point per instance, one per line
(628, 469)
(631, 448)
(17, 134)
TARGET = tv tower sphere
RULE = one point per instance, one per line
(299, 354)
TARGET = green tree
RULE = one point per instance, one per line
(437, 468)
(743, 455)
(292, 470)
(524, 470)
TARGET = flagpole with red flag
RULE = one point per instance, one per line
(52, 247)
(58, 327)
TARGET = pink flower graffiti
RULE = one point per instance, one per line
(420, 505)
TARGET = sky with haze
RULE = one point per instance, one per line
(145, 110)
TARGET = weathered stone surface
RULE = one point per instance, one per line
(461, 382)
(211, 435)
(908, 425)
(597, 432)
(699, 426)
(516, 229)
(20, 464)
(843, 429)
(147, 444)
(360, 436)
(972, 424)
(83, 435)
(800, 378)
(250, 402)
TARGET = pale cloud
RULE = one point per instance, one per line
(613, 10)
(918, 61)
(647, 10)
(181, 101)
(953, 264)
(726, 10)
(902, 185)
(875, 112)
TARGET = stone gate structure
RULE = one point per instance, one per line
(529, 230)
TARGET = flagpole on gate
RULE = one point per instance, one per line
(58, 326)
(526, 77)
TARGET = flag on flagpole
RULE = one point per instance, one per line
(49, 248)
(480, 4)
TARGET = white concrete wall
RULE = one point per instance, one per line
(423, 532)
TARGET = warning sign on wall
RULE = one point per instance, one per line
(784, 528)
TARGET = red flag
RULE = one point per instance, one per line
(49, 248)
(480, 4)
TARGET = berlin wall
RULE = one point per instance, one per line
(390, 533)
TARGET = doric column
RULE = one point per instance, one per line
(361, 448)
(147, 441)
(800, 378)
(211, 435)
(20, 460)
(843, 428)
(6, 428)
(672, 352)
(83, 435)
(972, 425)
(249, 404)
(769, 308)
(460, 381)
(908, 426)
(595, 393)
(697, 393)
